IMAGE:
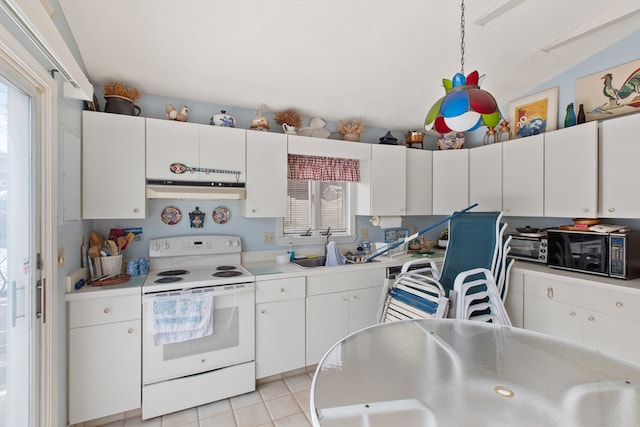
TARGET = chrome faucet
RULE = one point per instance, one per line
(307, 233)
(328, 234)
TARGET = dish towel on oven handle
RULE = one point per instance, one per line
(180, 317)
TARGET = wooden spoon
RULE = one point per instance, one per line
(94, 251)
(122, 243)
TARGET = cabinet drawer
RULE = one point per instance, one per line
(280, 290)
(104, 310)
(542, 287)
(607, 301)
(345, 280)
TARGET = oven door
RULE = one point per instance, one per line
(232, 341)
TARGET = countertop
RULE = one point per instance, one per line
(131, 287)
(270, 270)
(631, 286)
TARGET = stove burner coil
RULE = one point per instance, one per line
(225, 267)
(173, 273)
(227, 273)
(168, 279)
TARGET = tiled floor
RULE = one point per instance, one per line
(278, 403)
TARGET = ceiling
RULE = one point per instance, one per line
(379, 60)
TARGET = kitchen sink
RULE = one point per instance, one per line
(311, 262)
(319, 262)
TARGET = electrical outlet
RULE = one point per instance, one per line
(60, 257)
(364, 233)
(269, 238)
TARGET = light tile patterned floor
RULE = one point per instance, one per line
(278, 403)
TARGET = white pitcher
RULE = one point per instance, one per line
(291, 130)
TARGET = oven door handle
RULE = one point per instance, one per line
(217, 290)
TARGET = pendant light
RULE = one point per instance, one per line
(465, 107)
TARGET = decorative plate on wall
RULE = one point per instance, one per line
(171, 215)
(221, 215)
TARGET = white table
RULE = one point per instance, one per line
(449, 372)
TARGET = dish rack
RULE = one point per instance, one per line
(399, 250)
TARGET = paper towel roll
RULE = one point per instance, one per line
(386, 221)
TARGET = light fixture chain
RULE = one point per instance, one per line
(462, 38)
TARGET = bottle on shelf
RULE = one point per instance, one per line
(581, 116)
(570, 117)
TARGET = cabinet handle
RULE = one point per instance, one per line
(572, 314)
(619, 304)
(550, 293)
(611, 209)
(263, 311)
(281, 289)
(253, 210)
(136, 210)
(591, 318)
(130, 330)
(344, 299)
(585, 209)
(107, 310)
(355, 297)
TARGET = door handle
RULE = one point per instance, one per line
(40, 302)
(14, 303)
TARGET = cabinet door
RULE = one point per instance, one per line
(571, 171)
(485, 177)
(113, 181)
(327, 323)
(104, 370)
(266, 174)
(614, 335)
(363, 308)
(619, 171)
(388, 182)
(553, 318)
(514, 302)
(450, 181)
(523, 176)
(280, 337)
(223, 148)
(419, 182)
(171, 142)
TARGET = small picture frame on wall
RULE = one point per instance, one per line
(534, 114)
(610, 92)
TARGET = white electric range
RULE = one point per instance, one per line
(183, 374)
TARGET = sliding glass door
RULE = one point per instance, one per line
(19, 326)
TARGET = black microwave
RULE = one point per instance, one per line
(606, 254)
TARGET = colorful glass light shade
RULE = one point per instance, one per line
(465, 107)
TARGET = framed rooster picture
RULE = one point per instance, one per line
(534, 114)
(610, 92)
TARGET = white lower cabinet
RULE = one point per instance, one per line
(607, 320)
(280, 331)
(104, 357)
(333, 313)
(515, 299)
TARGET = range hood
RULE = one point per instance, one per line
(195, 190)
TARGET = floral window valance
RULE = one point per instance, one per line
(315, 168)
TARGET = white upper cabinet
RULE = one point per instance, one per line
(194, 146)
(388, 182)
(485, 177)
(170, 142)
(620, 167)
(223, 148)
(113, 181)
(450, 181)
(266, 174)
(571, 172)
(419, 182)
(523, 176)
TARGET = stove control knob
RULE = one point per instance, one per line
(228, 243)
(236, 243)
(156, 246)
(166, 245)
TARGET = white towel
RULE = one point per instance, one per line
(180, 317)
(334, 256)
